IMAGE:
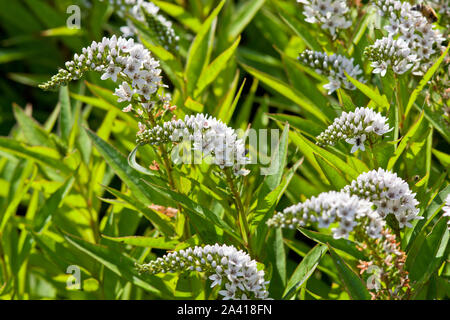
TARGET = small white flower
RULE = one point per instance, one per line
(216, 280)
(124, 92)
(128, 108)
(111, 72)
(357, 142)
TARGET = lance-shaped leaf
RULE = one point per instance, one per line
(121, 265)
(352, 283)
(304, 270)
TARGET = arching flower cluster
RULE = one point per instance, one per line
(117, 59)
(355, 128)
(416, 33)
(347, 210)
(146, 11)
(225, 265)
(389, 193)
(330, 14)
(208, 135)
(333, 67)
(386, 52)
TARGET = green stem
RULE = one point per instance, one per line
(168, 167)
(374, 158)
(398, 100)
(241, 216)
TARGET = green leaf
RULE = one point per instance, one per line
(226, 105)
(288, 92)
(243, 15)
(194, 207)
(309, 127)
(437, 121)
(424, 81)
(210, 73)
(300, 29)
(443, 158)
(428, 254)
(139, 241)
(121, 265)
(38, 154)
(404, 142)
(304, 270)
(226, 111)
(308, 148)
(32, 130)
(381, 100)
(65, 117)
(159, 220)
(334, 175)
(51, 205)
(198, 56)
(277, 256)
(179, 13)
(353, 284)
(118, 162)
(277, 164)
(342, 244)
(193, 105)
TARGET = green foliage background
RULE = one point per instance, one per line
(69, 197)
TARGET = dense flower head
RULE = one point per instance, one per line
(389, 193)
(330, 14)
(349, 211)
(146, 11)
(417, 34)
(355, 127)
(225, 265)
(118, 59)
(333, 67)
(386, 52)
(208, 135)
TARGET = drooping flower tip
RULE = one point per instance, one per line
(224, 265)
(116, 58)
(355, 128)
(146, 11)
(207, 134)
(333, 67)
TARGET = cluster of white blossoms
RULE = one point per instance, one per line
(146, 11)
(387, 52)
(333, 67)
(355, 127)
(416, 34)
(225, 265)
(118, 59)
(389, 193)
(330, 14)
(349, 211)
(208, 135)
(446, 209)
